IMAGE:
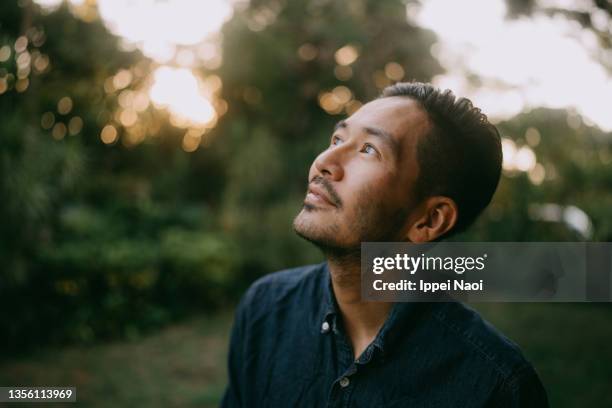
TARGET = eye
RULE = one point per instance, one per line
(369, 149)
(336, 141)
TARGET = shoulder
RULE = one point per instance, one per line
(287, 278)
(282, 286)
(493, 357)
(481, 339)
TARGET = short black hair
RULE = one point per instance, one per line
(461, 157)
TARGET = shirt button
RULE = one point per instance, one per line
(325, 327)
(344, 382)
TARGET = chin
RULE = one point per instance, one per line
(323, 233)
(303, 224)
(309, 225)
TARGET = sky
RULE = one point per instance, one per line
(535, 61)
(522, 63)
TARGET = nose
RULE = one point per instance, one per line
(328, 164)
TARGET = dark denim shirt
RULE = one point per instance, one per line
(289, 349)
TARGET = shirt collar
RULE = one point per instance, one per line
(402, 316)
(399, 323)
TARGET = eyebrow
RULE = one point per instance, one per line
(340, 125)
(374, 131)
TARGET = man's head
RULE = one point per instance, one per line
(416, 165)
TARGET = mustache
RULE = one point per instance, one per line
(325, 183)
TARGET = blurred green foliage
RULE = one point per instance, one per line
(100, 241)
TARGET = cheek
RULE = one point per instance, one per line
(311, 171)
(361, 194)
(376, 198)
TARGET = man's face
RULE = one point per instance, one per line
(361, 188)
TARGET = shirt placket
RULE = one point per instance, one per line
(343, 386)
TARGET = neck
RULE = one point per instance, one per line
(362, 320)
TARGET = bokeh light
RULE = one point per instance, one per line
(308, 52)
(179, 91)
(64, 105)
(185, 22)
(347, 54)
(109, 134)
(75, 125)
(339, 100)
(394, 71)
(5, 53)
(522, 159)
(189, 41)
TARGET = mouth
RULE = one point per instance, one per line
(317, 196)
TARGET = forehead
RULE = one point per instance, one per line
(400, 116)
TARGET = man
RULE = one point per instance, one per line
(414, 165)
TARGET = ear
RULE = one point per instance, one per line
(435, 216)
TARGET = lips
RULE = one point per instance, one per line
(318, 195)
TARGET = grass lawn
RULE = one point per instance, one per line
(181, 366)
(184, 365)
